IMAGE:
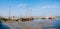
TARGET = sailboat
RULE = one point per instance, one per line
(27, 18)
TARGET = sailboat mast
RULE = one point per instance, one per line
(26, 10)
(20, 14)
(30, 12)
(9, 11)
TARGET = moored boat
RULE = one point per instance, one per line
(27, 19)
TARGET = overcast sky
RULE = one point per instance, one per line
(39, 7)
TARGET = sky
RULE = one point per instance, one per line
(38, 7)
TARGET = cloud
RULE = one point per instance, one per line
(50, 6)
(46, 9)
(21, 5)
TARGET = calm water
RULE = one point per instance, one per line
(3, 26)
(54, 23)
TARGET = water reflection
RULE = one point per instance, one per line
(45, 23)
(3, 26)
(34, 24)
(57, 23)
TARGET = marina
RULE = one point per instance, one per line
(29, 14)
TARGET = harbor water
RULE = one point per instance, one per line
(34, 24)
